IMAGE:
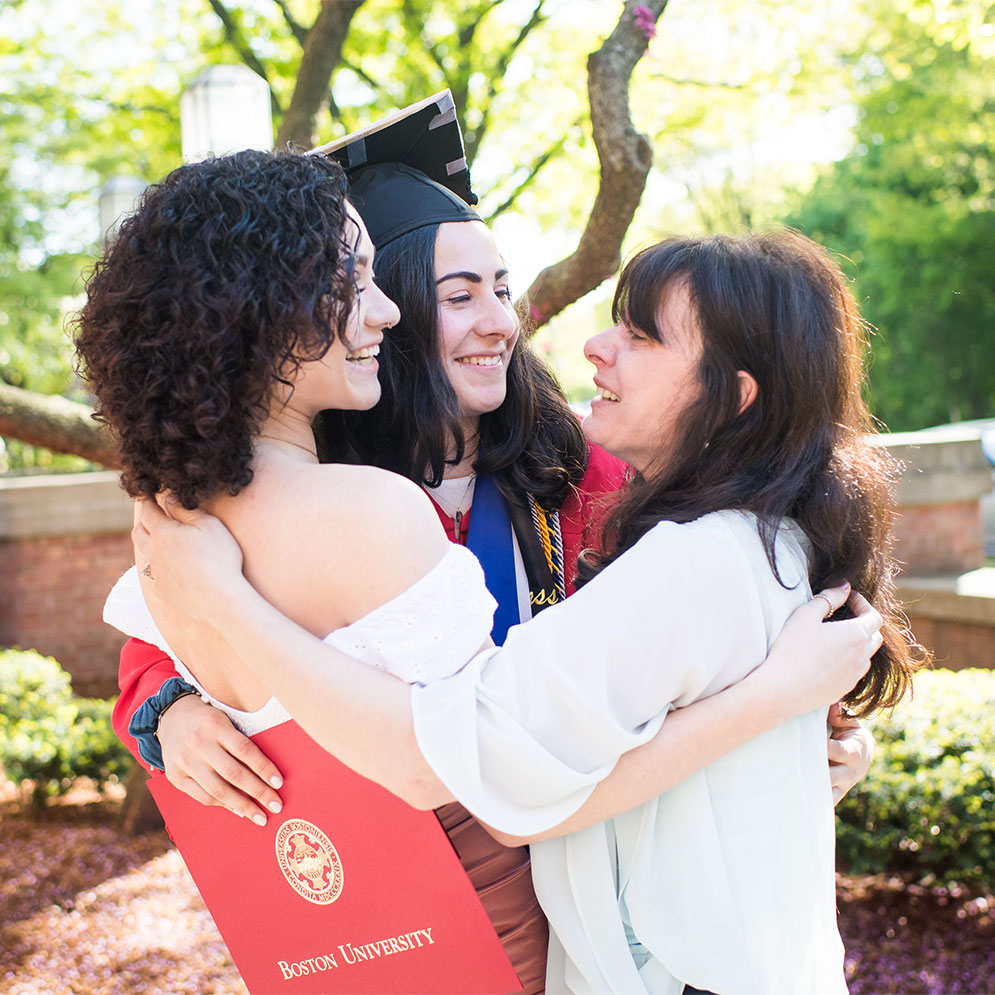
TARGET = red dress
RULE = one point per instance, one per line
(501, 875)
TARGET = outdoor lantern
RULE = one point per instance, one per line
(118, 197)
(225, 109)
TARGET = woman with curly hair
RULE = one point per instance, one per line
(238, 292)
(731, 384)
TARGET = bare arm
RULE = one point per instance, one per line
(363, 716)
(359, 714)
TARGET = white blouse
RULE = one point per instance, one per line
(725, 882)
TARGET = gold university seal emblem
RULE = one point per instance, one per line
(309, 861)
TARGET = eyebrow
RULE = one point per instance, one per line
(362, 259)
(467, 275)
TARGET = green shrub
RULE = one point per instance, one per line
(927, 806)
(36, 716)
(93, 749)
(47, 736)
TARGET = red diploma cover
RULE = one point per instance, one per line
(348, 889)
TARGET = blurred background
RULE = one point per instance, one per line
(868, 124)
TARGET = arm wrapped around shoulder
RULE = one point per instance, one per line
(523, 734)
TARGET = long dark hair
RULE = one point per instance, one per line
(232, 272)
(532, 442)
(778, 307)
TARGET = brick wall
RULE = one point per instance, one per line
(942, 538)
(948, 595)
(957, 645)
(52, 591)
(65, 539)
(63, 542)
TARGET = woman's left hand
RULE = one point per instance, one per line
(191, 559)
(851, 749)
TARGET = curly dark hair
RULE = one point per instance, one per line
(778, 307)
(532, 443)
(231, 273)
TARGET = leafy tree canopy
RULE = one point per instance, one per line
(912, 208)
(738, 99)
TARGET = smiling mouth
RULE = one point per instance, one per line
(365, 355)
(480, 360)
(606, 395)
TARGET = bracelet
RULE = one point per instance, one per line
(169, 705)
(144, 723)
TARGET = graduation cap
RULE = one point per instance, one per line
(408, 170)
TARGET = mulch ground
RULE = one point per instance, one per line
(84, 911)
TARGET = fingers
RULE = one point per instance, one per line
(149, 512)
(207, 786)
(840, 752)
(140, 538)
(169, 506)
(840, 719)
(850, 753)
(868, 616)
(209, 759)
(831, 598)
(215, 777)
(138, 524)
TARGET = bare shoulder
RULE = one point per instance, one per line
(332, 542)
(371, 507)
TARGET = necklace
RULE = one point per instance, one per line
(287, 442)
(453, 501)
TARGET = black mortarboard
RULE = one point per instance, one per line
(408, 171)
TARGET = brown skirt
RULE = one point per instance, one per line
(502, 877)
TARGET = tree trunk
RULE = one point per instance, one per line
(139, 813)
(55, 423)
(322, 52)
(625, 157)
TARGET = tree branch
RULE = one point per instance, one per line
(322, 52)
(625, 157)
(56, 423)
(296, 28)
(469, 28)
(537, 165)
(135, 108)
(360, 72)
(245, 53)
(700, 82)
(414, 23)
(497, 75)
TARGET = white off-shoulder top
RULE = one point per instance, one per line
(428, 631)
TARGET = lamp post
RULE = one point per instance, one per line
(225, 109)
(118, 197)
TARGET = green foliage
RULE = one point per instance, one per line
(80, 105)
(742, 98)
(47, 736)
(927, 807)
(913, 207)
(93, 749)
(36, 717)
